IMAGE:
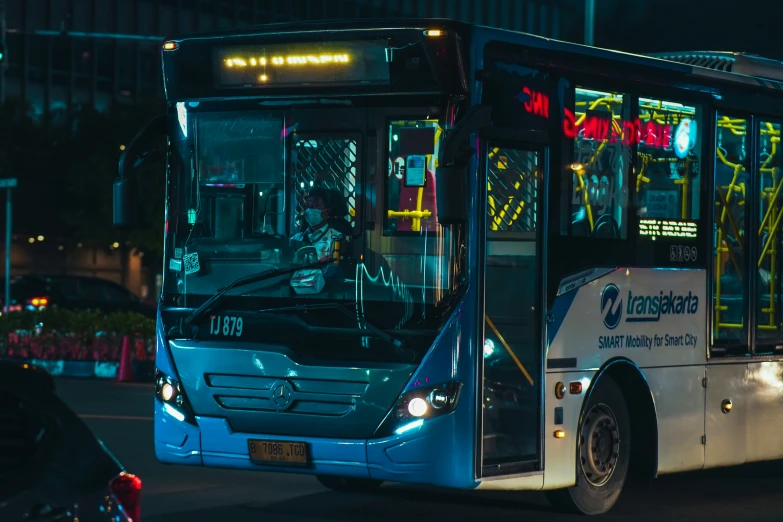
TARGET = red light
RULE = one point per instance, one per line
(534, 102)
(599, 127)
(126, 488)
(39, 301)
(538, 104)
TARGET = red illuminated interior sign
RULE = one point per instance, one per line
(599, 126)
(537, 102)
(649, 133)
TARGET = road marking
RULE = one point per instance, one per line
(114, 417)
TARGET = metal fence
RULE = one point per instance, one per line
(328, 163)
(512, 190)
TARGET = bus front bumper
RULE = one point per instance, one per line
(425, 453)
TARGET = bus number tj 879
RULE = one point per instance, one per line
(226, 326)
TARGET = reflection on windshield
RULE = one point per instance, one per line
(410, 195)
(256, 191)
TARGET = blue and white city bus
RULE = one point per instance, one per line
(428, 252)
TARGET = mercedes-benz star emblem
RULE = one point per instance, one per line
(281, 395)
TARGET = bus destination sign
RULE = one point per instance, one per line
(291, 65)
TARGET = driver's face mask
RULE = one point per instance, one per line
(313, 216)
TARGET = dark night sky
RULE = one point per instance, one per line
(753, 26)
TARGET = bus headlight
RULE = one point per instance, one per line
(439, 398)
(169, 391)
(419, 405)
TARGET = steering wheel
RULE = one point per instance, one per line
(306, 255)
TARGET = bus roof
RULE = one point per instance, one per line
(731, 67)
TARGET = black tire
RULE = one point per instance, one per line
(606, 426)
(349, 484)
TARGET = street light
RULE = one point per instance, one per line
(7, 184)
(589, 21)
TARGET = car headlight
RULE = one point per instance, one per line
(415, 407)
(169, 392)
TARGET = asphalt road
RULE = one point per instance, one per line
(120, 414)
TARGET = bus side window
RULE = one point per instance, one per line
(769, 320)
(602, 161)
(731, 288)
(668, 164)
(512, 185)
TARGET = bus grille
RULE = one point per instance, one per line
(294, 395)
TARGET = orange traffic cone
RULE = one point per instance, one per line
(125, 371)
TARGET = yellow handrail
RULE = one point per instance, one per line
(418, 213)
(580, 178)
(721, 232)
(415, 214)
(508, 349)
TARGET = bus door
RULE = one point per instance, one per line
(511, 363)
(747, 326)
(734, 273)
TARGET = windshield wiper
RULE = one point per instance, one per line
(371, 328)
(210, 303)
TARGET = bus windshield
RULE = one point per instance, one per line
(279, 189)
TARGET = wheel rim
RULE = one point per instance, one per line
(599, 444)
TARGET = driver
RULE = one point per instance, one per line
(319, 234)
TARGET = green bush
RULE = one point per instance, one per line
(82, 324)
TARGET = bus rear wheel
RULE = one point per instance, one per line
(603, 453)
(349, 484)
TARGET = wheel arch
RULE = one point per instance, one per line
(641, 410)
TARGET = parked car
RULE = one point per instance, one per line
(73, 292)
(52, 467)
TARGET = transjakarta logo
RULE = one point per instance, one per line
(611, 306)
(644, 308)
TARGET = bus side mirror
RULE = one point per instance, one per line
(451, 176)
(124, 190)
(451, 187)
(124, 199)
